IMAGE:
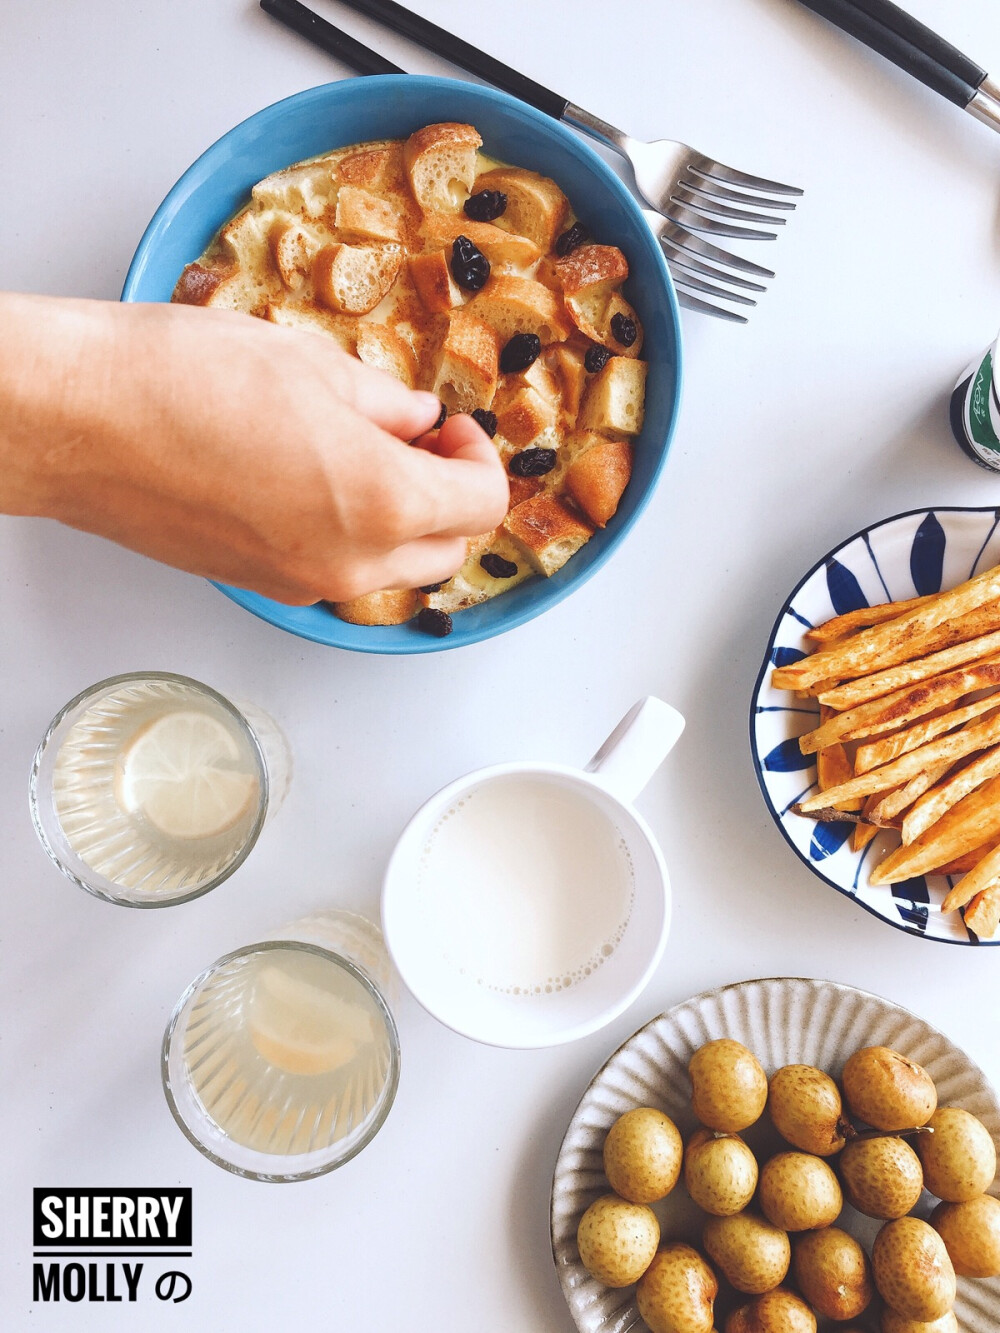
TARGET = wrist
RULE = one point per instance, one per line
(54, 359)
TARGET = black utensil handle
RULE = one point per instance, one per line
(442, 43)
(900, 38)
(328, 38)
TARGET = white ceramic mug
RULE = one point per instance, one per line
(526, 905)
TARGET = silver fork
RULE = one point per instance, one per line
(692, 192)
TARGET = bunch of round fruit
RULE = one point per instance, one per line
(881, 1172)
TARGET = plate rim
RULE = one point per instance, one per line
(755, 693)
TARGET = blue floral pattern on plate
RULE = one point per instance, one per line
(908, 555)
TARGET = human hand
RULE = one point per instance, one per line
(237, 450)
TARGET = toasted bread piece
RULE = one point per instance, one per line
(617, 305)
(540, 378)
(613, 400)
(545, 532)
(503, 249)
(372, 168)
(431, 276)
(354, 278)
(521, 305)
(536, 207)
(567, 362)
(588, 278)
(293, 248)
(598, 475)
(466, 373)
(197, 283)
(523, 488)
(364, 216)
(472, 584)
(394, 606)
(305, 191)
(382, 347)
(523, 415)
(440, 164)
(311, 318)
(243, 240)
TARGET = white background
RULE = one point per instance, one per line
(825, 413)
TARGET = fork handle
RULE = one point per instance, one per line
(898, 36)
(443, 43)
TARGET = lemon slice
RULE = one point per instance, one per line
(178, 772)
(302, 1028)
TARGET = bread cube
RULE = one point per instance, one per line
(536, 207)
(373, 168)
(431, 277)
(523, 415)
(465, 376)
(598, 475)
(311, 318)
(293, 249)
(588, 278)
(353, 279)
(440, 165)
(305, 191)
(617, 305)
(521, 305)
(567, 362)
(542, 380)
(382, 347)
(394, 606)
(545, 532)
(613, 400)
(503, 249)
(362, 215)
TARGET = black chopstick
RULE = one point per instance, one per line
(440, 42)
(330, 39)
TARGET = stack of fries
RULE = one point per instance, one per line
(909, 736)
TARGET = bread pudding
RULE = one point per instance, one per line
(473, 279)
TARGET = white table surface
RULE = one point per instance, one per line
(826, 412)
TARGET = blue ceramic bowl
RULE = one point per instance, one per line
(909, 555)
(392, 106)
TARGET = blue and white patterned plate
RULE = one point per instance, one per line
(908, 555)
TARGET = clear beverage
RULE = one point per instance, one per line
(281, 1060)
(150, 789)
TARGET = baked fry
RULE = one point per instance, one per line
(909, 673)
(966, 862)
(891, 747)
(862, 834)
(851, 621)
(897, 640)
(983, 913)
(940, 799)
(901, 707)
(833, 766)
(972, 821)
(890, 807)
(947, 748)
(984, 874)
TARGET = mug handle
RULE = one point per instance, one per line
(637, 747)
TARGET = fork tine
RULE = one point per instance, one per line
(680, 257)
(686, 216)
(706, 308)
(683, 275)
(670, 234)
(707, 166)
(706, 203)
(703, 185)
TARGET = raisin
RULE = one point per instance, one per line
(485, 206)
(488, 420)
(432, 587)
(520, 352)
(432, 621)
(497, 567)
(532, 463)
(596, 359)
(570, 240)
(469, 266)
(442, 416)
(624, 329)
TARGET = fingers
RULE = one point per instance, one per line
(425, 561)
(460, 467)
(402, 412)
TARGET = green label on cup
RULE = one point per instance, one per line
(977, 410)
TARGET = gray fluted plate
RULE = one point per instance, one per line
(783, 1020)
